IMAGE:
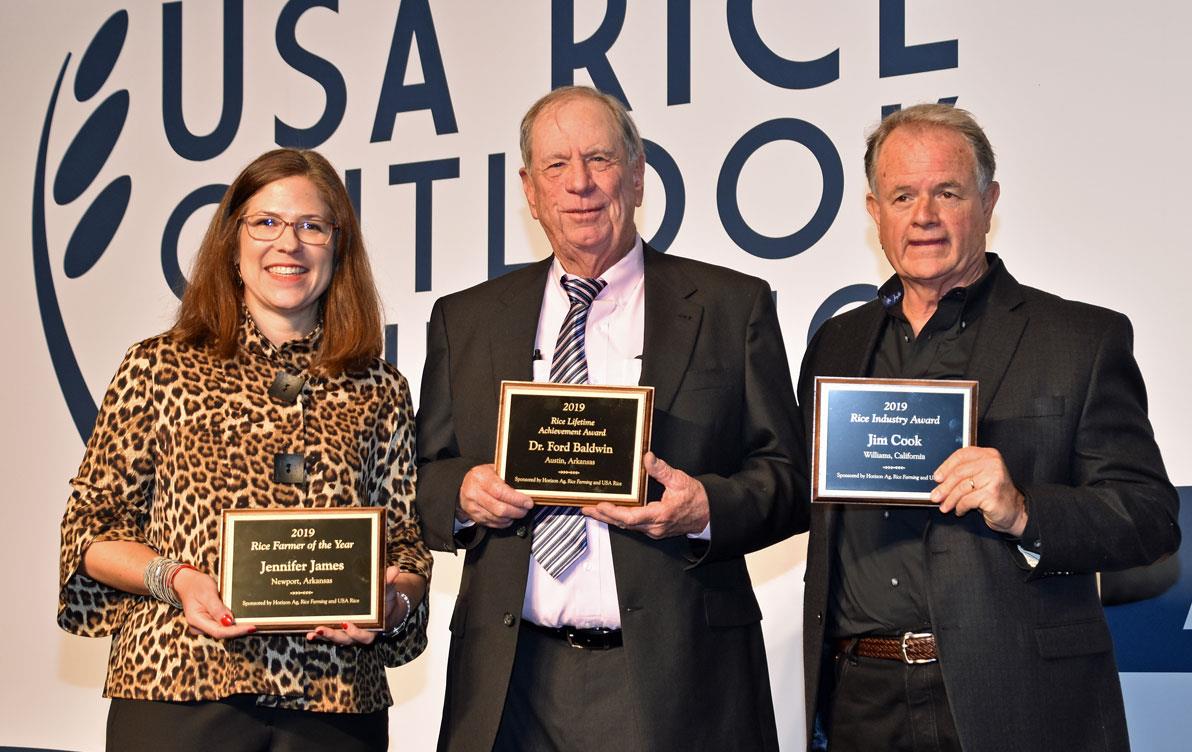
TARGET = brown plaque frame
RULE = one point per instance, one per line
(641, 396)
(824, 386)
(371, 617)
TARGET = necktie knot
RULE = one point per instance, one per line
(569, 365)
(582, 290)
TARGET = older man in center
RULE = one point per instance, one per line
(648, 636)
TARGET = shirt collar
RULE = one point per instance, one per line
(621, 279)
(299, 351)
(890, 293)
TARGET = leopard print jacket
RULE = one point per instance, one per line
(183, 434)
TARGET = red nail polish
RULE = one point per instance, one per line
(227, 620)
(344, 626)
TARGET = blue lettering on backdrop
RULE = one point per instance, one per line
(391, 344)
(674, 193)
(352, 183)
(80, 165)
(896, 58)
(321, 71)
(414, 25)
(422, 175)
(496, 218)
(568, 55)
(788, 129)
(98, 225)
(414, 20)
(192, 202)
(89, 149)
(770, 67)
(678, 52)
(184, 142)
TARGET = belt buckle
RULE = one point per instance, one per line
(572, 638)
(597, 638)
(906, 658)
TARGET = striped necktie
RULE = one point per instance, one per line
(559, 532)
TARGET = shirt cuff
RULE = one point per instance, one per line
(456, 525)
(1031, 542)
(1031, 558)
(704, 535)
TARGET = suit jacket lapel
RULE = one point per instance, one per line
(672, 322)
(515, 326)
(1001, 330)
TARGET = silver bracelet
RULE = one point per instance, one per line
(159, 578)
(392, 631)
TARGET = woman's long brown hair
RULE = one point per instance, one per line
(212, 304)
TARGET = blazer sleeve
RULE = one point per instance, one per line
(766, 500)
(393, 484)
(110, 496)
(441, 469)
(805, 390)
(1120, 509)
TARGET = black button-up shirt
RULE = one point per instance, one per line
(878, 569)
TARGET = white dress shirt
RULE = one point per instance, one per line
(586, 594)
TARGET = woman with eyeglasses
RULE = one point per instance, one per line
(268, 392)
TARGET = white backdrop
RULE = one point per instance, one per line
(1086, 103)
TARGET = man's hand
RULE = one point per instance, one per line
(683, 508)
(977, 478)
(487, 500)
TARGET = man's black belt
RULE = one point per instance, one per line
(585, 639)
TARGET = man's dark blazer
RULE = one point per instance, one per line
(724, 412)
(1026, 653)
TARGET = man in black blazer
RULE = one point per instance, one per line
(976, 625)
(659, 602)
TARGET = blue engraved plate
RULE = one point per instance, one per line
(878, 441)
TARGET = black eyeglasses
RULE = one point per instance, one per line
(310, 230)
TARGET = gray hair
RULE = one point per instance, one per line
(933, 116)
(630, 139)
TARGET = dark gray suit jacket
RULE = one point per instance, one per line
(1026, 654)
(723, 412)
